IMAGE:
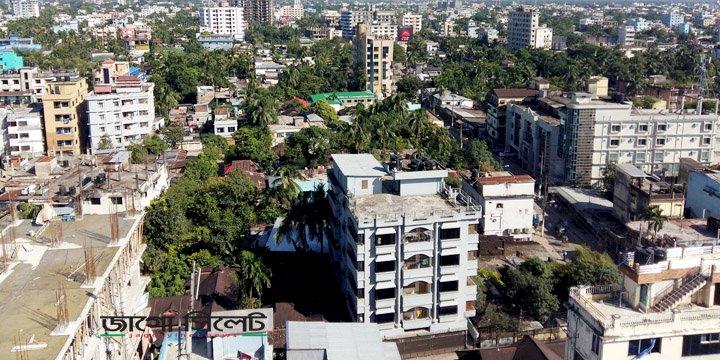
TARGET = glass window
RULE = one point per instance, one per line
(385, 239)
(449, 286)
(449, 260)
(382, 294)
(644, 346)
(453, 233)
(448, 310)
(384, 318)
(384, 266)
(417, 262)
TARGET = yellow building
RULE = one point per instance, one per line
(64, 108)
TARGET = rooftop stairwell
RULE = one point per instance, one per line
(690, 285)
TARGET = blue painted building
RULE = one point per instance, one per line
(9, 60)
(14, 43)
(702, 195)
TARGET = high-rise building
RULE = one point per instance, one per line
(23, 130)
(412, 20)
(259, 11)
(375, 54)
(25, 8)
(524, 29)
(223, 20)
(64, 109)
(349, 21)
(626, 36)
(407, 246)
(673, 18)
(121, 108)
(294, 11)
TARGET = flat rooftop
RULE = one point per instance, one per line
(686, 232)
(388, 206)
(358, 165)
(28, 288)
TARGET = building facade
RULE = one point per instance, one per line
(120, 109)
(258, 11)
(64, 109)
(524, 29)
(663, 309)
(626, 36)
(25, 8)
(413, 20)
(507, 203)
(407, 247)
(376, 55)
(223, 20)
(24, 132)
(349, 21)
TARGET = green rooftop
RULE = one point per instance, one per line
(340, 96)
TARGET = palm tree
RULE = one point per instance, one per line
(653, 215)
(308, 220)
(416, 122)
(254, 275)
(285, 184)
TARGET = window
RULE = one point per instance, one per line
(706, 140)
(364, 184)
(116, 200)
(472, 255)
(385, 239)
(613, 157)
(710, 338)
(661, 127)
(384, 318)
(382, 294)
(659, 156)
(641, 142)
(595, 347)
(644, 346)
(453, 233)
(614, 142)
(660, 141)
(417, 262)
(449, 260)
(361, 293)
(708, 127)
(472, 229)
(615, 128)
(360, 266)
(446, 286)
(95, 201)
(448, 310)
(384, 266)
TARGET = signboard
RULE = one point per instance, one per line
(404, 34)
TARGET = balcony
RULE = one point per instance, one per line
(385, 276)
(416, 324)
(420, 273)
(384, 249)
(385, 303)
(449, 295)
(449, 269)
(410, 301)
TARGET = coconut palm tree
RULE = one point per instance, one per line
(308, 220)
(253, 273)
(286, 186)
(655, 218)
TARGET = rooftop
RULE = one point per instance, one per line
(358, 165)
(515, 93)
(28, 289)
(512, 179)
(391, 206)
(339, 341)
(342, 96)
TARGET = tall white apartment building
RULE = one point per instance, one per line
(121, 107)
(376, 55)
(667, 305)
(524, 29)
(23, 131)
(412, 20)
(349, 20)
(25, 8)
(223, 20)
(407, 246)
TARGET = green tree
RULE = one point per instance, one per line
(155, 145)
(409, 86)
(478, 156)
(173, 135)
(253, 143)
(105, 143)
(655, 218)
(323, 109)
(254, 275)
(309, 147)
(529, 290)
(586, 268)
(138, 154)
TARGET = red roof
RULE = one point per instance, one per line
(250, 169)
(496, 180)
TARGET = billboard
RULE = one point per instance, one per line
(405, 33)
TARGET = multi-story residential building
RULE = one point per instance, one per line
(412, 20)
(258, 11)
(376, 55)
(667, 305)
(496, 107)
(25, 8)
(64, 109)
(9, 60)
(121, 107)
(23, 131)
(507, 203)
(626, 36)
(349, 21)
(294, 11)
(383, 30)
(524, 29)
(223, 20)
(385, 16)
(635, 191)
(137, 38)
(673, 18)
(331, 18)
(29, 80)
(407, 246)
(598, 132)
